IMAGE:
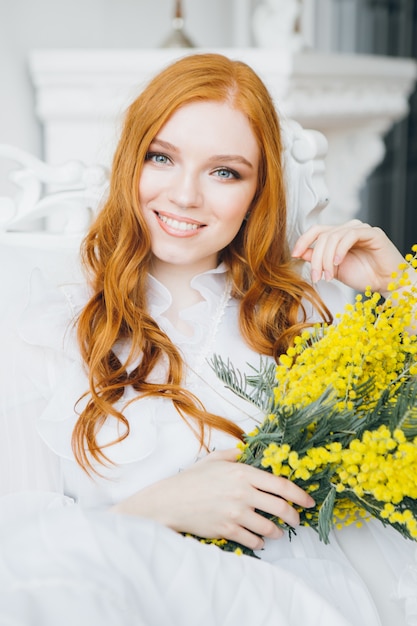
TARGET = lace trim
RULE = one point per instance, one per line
(208, 344)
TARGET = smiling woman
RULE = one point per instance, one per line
(188, 258)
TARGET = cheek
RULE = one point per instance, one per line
(237, 207)
(144, 189)
(237, 220)
(151, 183)
(231, 222)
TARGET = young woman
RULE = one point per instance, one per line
(188, 258)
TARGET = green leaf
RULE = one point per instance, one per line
(257, 389)
(325, 521)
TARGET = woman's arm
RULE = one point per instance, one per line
(218, 498)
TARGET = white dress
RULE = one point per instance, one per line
(65, 559)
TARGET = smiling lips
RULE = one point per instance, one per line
(176, 227)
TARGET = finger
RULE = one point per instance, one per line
(245, 537)
(280, 486)
(330, 250)
(323, 255)
(322, 243)
(261, 525)
(305, 243)
(308, 239)
(278, 507)
(364, 236)
(330, 245)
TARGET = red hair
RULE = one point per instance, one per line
(117, 251)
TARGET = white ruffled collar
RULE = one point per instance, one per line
(209, 284)
(48, 322)
(214, 289)
(51, 312)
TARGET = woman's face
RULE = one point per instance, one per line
(197, 184)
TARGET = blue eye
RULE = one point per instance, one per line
(157, 157)
(226, 174)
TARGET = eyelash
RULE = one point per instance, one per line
(234, 174)
(152, 155)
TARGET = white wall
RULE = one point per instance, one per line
(29, 24)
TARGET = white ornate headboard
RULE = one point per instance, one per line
(53, 205)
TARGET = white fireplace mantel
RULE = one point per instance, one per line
(353, 99)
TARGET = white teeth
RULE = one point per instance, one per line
(176, 224)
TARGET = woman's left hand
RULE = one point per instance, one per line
(355, 253)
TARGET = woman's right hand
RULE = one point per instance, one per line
(217, 498)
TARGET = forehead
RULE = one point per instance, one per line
(219, 122)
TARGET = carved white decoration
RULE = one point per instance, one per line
(352, 99)
(274, 24)
(52, 204)
(305, 174)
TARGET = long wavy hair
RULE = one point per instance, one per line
(117, 254)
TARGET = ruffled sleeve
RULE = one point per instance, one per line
(37, 350)
(46, 378)
(48, 325)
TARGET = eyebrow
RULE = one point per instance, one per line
(234, 158)
(164, 144)
(227, 158)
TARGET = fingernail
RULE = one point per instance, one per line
(315, 276)
(327, 275)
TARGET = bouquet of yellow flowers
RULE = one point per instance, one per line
(341, 413)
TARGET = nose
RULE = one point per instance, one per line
(185, 190)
